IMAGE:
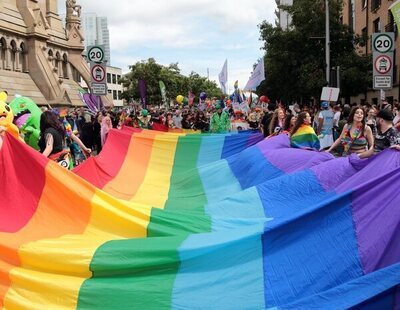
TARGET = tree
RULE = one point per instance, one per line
(295, 59)
(175, 82)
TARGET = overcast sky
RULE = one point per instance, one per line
(198, 34)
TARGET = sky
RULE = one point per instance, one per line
(198, 34)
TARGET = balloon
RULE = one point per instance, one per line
(185, 101)
(203, 95)
(179, 98)
(3, 96)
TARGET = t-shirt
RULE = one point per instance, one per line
(327, 116)
(336, 118)
(58, 140)
(386, 140)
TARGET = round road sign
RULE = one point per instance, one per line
(383, 64)
(383, 43)
(96, 54)
(98, 73)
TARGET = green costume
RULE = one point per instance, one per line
(27, 118)
(220, 123)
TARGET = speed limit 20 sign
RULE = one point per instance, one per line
(96, 54)
(383, 42)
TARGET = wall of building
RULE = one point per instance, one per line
(115, 88)
(367, 17)
(283, 18)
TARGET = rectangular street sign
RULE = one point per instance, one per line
(383, 82)
(99, 89)
(382, 70)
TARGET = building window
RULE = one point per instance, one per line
(364, 4)
(114, 79)
(119, 95)
(110, 91)
(118, 79)
(377, 25)
(115, 95)
(108, 78)
(375, 4)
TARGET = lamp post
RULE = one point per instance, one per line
(327, 43)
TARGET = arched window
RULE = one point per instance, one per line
(58, 63)
(3, 58)
(23, 57)
(13, 55)
(65, 66)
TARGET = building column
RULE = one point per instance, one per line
(26, 60)
(8, 58)
(17, 62)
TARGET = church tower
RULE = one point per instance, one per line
(38, 57)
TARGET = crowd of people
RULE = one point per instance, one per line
(69, 136)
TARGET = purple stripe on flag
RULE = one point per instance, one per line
(278, 152)
(376, 220)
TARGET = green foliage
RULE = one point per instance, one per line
(175, 82)
(295, 59)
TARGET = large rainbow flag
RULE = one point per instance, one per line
(178, 221)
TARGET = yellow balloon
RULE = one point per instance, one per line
(3, 96)
(179, 99)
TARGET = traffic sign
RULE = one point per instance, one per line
(96, 54)
(99, 89)
(383, 42)
(98, 73)
(382, 70)
(383, 82)
(383, 64)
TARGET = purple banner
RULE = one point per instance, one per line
(142, 92)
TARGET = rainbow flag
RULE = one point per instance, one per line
(305, 138)
(170, 220)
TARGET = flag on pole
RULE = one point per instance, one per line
(256, 77)
(223, 76)
(395, 9)
(163, 92)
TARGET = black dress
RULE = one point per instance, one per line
(58, 138)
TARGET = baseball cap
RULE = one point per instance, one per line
(385, 114)
(325, 104)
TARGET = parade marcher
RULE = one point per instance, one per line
(386, 135)
(291, 120)
(169, 121)
(106, 126)
(253, 121)
(325, 125)
(371, 119)
(303, 135)
(220, 121)
(52, 142)
(278, 121)
(145, 119)
(356, 137)
(201, 122)
(266, 120)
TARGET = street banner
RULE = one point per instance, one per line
(142, 92)
(223, 76)
(256, 77)
(163, 90)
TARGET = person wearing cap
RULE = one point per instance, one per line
(386, 135)
(145, 119)
(325, 125)
(220, 121)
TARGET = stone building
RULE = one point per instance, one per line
(39, 58)
(366, 17)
